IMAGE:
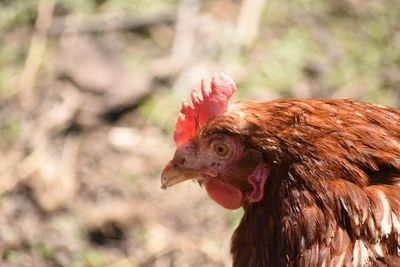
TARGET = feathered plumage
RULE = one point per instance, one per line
(319, 180)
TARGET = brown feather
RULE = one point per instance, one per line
(333, 197)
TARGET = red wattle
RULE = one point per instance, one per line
(224, 194)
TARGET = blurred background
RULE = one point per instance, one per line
(90, 91)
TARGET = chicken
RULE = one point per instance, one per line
(318, 179)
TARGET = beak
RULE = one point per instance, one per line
(173, 174)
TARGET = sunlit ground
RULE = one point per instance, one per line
(90, 91)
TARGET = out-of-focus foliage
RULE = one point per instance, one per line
(346, 48)
(81, 151)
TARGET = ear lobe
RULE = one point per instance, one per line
(257, 179)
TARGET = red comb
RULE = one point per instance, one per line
(214, 102)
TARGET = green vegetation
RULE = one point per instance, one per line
(93, 258)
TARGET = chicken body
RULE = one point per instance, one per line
(328, 193)
(332, 198)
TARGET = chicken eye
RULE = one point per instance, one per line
(221, 149)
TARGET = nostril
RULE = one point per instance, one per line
(164, 178)
(183, 161)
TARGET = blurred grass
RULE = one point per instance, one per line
(10, 130)
(44, 251)
(365, 44)
(17, 13)
(367, 41)
(159, 109)
(93, 258)
(11, 60)
(233, 217)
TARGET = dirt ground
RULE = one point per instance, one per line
(90, 91)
